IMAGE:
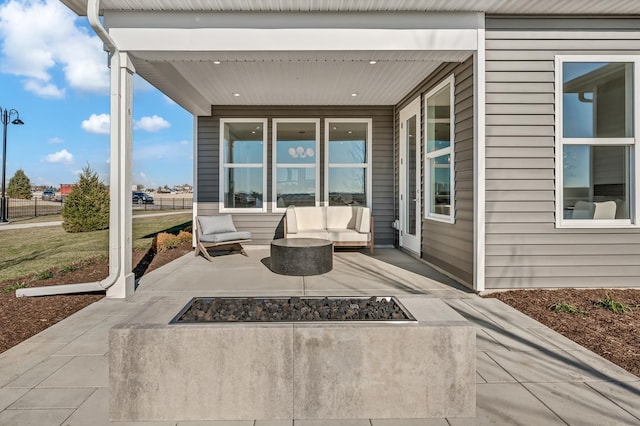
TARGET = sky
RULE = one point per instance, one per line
(53, 71)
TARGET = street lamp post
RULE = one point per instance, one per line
(5, 115)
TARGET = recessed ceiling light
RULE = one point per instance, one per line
(350, 132)
(373, 62)
(253, 132)
(236, 94)
(216, 62)
(354, 94)
(335, 128)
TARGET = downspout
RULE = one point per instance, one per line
(93, 9)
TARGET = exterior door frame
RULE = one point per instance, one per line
(409, 240)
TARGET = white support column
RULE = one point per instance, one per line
(479, 196)
(120, 245)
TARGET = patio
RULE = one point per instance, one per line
(526, 373)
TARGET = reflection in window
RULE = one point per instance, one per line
(596, 100)
(440, 185)
(596, 141)
(242, 164)
(348, 162)
(596, 182)
(296, 156)
(439, 158)
(347, 186)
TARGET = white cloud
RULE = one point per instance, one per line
(76, 172)
(143, 175)
(184, 142)
(98, 124)
(151, 124)
(62, 156)
(40, 36)
(55, 140)
(45, 90)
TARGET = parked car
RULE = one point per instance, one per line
(48, 195)
(142, 198)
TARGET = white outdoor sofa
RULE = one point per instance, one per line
(350, 226)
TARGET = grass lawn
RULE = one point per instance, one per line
(36, 250)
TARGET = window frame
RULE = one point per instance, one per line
(275, 164)
(367, 165)
(224, 166)
(631, 142)
(450, 150)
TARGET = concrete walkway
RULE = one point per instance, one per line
(526, 373)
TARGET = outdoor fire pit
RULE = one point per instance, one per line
(249, 309)
(286, 358)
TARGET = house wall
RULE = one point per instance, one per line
(523, 246)
(450, 245)
(267, 226)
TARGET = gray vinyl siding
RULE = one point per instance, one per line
(267, 226)
(450, 245)
(523, 246)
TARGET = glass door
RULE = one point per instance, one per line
(409, 197)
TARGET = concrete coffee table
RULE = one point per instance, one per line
(301, 256)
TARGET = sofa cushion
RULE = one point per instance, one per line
(216, 224)
(339, 235)
(311, 233)
(364, 222)
(341, 217)
(226, 236)
(310, 218)
(292, 222)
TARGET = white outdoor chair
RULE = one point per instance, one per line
(218, 231)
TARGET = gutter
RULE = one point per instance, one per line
(93, 15)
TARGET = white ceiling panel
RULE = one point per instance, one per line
(288, 78)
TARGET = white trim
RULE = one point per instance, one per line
(275, 164)
(411, 243)
(479, 166)
(292, 39)
(223, 165)
(367, 165)
(450, 150)
(632, 142)
(194, 209)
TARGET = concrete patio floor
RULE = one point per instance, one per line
(526, 373)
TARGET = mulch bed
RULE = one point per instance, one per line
(23, 317)
(614, 336)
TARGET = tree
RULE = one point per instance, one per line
(86, 208)
(19, 186)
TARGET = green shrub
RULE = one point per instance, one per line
(43, 276)
(612, 305)
(564, 307)
(12, 287)
(86, 208)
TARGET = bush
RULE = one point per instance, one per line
(165, 241)
(19, 186)
(86, 208)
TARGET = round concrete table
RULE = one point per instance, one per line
(301, 256)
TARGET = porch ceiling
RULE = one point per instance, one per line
(197, 80)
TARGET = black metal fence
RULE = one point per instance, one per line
(19, 209)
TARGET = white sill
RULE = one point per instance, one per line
(231, 210)
(596, 224)
(443, 219)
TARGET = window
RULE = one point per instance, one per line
(296, 159)
(439, 156)
(242, 165)
(348, 159)
(596, 141)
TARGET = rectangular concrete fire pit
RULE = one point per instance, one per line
(293, 370)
